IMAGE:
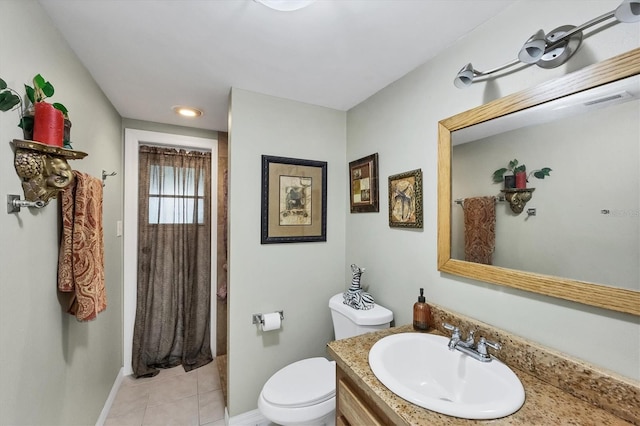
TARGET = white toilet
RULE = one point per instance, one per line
(304, 393)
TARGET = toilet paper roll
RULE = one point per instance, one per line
(271, 321)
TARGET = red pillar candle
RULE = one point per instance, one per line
(521, 180)
(48, 125)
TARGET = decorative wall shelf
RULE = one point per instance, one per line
(517, 198)
(43, 169)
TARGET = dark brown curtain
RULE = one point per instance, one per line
(174, 261)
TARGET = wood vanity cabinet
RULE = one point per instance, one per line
(353, 407)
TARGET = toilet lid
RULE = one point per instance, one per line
(303, 383)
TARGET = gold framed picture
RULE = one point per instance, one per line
(405, 200)
(294, 200)
(363, 184)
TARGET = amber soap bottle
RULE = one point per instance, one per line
(421, 314)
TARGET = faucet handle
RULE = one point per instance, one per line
(483, 343)
(453, 328)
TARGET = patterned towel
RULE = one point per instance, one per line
(479, 229)
(81, 259)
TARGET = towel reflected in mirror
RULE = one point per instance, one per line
(479, 229)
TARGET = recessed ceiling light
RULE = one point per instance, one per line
(186, 111)
(286, 5)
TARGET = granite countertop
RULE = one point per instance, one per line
(544, 403)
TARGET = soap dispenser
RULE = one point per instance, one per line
(421, 314)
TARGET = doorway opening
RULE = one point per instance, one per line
(133, 140)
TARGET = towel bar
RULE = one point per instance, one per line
(14, 203)
(105, 175)
(499, 197)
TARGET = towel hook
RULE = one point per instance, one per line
(105, 175)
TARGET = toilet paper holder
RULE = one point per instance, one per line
(259, 318)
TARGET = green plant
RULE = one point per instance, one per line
(9, 98)
(515, 167)
(41, 90)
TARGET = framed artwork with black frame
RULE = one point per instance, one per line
(294, 200)
(363, 184)
(405, 200)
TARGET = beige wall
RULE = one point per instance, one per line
(400, 123)
(298, 278)
(53, 369)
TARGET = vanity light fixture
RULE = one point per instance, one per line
(186, 111)
(554, 48)
(285, 5)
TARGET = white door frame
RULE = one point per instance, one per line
(133, 138)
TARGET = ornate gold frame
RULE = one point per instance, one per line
(412, 181)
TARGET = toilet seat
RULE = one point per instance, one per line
(304, 383)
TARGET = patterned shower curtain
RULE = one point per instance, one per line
(172, 324)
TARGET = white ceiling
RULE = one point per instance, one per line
(148, 55)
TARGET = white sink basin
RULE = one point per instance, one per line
(421, 369)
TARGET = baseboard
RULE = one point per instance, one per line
(112, 396)
(250, 418)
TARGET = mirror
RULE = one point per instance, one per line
(582, 219)
(596, 290)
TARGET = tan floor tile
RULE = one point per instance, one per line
(129, 399)
(173, 389)
(131, 419)
(183, 412)
(216, 423)
(171, 372)
(164, 373)
(173, 397)
(208, 378)
(211, 406)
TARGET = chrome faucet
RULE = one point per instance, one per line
(468, 346)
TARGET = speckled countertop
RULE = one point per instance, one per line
(545, 404)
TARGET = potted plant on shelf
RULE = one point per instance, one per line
(519, 171)
(50, 114)
(48, 118)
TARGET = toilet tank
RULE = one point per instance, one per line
(348, 322)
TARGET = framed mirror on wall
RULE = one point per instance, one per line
(597, 262)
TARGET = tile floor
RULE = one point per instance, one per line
(173, 397)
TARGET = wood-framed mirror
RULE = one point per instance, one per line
(607, 296)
